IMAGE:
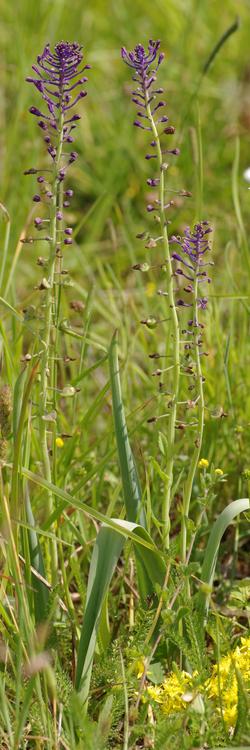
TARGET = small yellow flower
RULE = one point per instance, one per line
(155, 693)
(223, 681)
(138, 667)
(171, 694)
(219, 472)
(59, 442)
(203, 463)
(150, 289)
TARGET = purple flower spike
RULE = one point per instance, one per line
(57, 70)
(141, 62)
(144, 64)
(58, 80)
(56, 77)
(139, 59)
(193, 246)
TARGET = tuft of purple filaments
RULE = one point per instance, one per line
(194, 246)
(57, 80)
(150, 116)
(138, 58)
(141, 62)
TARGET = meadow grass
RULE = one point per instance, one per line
(104, 516)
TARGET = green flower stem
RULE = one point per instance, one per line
(48, 325)
(54, 364)
(198, 442)
(16, 509)
(176, 336)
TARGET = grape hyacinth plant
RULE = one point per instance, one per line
(149, 118)
(192, 266)
(58, 78)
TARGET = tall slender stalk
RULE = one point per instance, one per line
(199, 435)
(194, 247)
(48, 327)
(141, 62)
(175, 331)
(57, 76)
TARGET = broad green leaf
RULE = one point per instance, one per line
(130, 480)
(104, 629)
(106, 552)
(41, 593)
(208, 569)
(129, 474)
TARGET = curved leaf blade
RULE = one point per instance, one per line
(223, 521)
(106, 553)
(129, 474)
(69, 501)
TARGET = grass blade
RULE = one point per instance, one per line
(130, 480)
(106, 553)
(41, 592)
(129, 474)
(70, 501)
(223, 521)
(6, 218)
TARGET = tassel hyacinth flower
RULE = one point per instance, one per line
(58, 76)
(193, 262)
(147, 97)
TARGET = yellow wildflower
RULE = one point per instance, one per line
(176, 692)
(59, 442)
(223, 681)
(139, 666)
(219, 472)
(155, 693)
(174, 687)
(203, 463)
(171, 694)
